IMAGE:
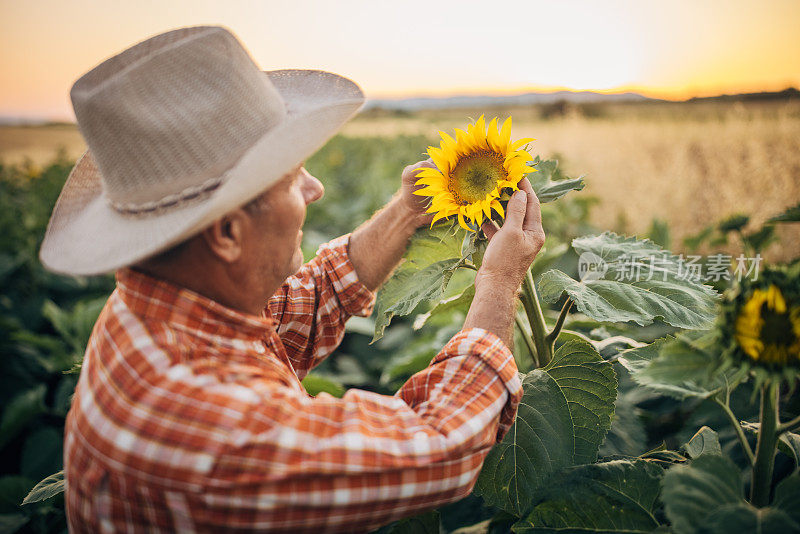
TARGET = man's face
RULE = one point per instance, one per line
(276, 230)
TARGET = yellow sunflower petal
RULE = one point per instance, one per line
(496, 206)
(493, 136)
(521, 142)
(505, 134)
(462, 223)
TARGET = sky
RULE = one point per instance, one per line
(666, 49)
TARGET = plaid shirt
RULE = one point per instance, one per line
(190, 416)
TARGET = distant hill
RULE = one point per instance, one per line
(786, 94)
(525, 99)
(579, 97)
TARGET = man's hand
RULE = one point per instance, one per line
(510, 252)
(513, 247)
(415, 204)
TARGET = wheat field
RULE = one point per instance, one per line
(689, 164)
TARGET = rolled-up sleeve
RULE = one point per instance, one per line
(312, 306)
(352, 464)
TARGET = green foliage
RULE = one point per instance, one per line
(632, 286)
(615, 496)
(49, 487)
(708, 496)
(564, 415)
(705, 441)
(678, 366)
(791, 214)
(549, 183)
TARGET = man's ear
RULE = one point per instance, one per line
(225, 236)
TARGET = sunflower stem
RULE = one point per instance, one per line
(533, 309)
(562, 316)
(737, 426)
(528, 341)
(765, 447)
(788, 426)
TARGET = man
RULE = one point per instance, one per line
(189, 414)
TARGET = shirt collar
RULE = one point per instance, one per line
(161, 300)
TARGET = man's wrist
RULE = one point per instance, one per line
(411, 217)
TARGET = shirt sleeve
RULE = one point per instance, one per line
(313, 305)
(355, 463)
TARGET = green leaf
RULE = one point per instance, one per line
(743, 517)
(315, 383)
(562, 419)
(590, 387)
(705, 441)
(787, 496)
(549, 183)
(759, 239)
(692, 492)
(540, 441)
(75, 326)
(791, 214)
(432, 256)
(10, 523)
(461, 301)
(616, 496)
(733, 223)
(12, 491)
(425, 523)
(678, 366)
(42, 452)
(49, 487)
(635, 280)
(659, 233)
(20, 411)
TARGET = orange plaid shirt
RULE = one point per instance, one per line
(190, 416)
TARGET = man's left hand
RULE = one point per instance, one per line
(415, 204)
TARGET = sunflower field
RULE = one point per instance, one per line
(660, 386)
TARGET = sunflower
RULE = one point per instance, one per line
(761, 325)
(472, 171)
(768, 330)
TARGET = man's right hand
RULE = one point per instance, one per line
(510, 252)
(513, 247)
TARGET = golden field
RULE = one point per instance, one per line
(689, 164)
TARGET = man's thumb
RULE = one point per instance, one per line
(515, 211)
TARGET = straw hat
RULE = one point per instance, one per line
(181, 129)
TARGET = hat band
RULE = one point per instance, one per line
(170, 201)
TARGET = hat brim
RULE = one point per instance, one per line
(86, 236)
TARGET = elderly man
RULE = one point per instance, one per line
(189, 414)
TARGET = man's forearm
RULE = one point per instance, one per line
(493, 309)
(377, 245)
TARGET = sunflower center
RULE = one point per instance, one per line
(777, 327)
(476, 175)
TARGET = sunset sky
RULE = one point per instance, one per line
(674, 49)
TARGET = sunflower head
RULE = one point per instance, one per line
(761, 325)
(473, 171)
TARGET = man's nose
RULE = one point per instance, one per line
(311, 187)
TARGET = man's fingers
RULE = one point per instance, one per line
(533, 214)
(489, 229)
(515, 211)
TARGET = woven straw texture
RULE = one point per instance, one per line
(182, 128)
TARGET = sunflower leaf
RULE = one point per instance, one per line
(432, 256)
(581, 497)
(565, 413)
(679, 366)
(549, 183)
(629, 279)
(708, 496)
